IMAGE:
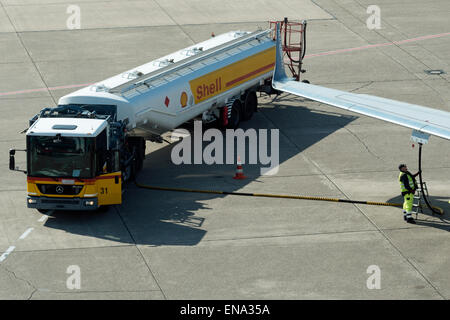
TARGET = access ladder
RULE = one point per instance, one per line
(419, 199)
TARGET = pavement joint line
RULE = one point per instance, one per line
(116, 209)
(12, 93)
(291, 235)
(409, 40)
(45, 89)
(390, 241)
(174, 21)
(231, 239)
(324, 9)
(362, 142)
(95, 291)
(59, 3)
(76, 248)
(157, 26)
(396, 44)
(27, 52)
(414, 78)
(368, 218)
(25, 98)
(26, 233)
(423, 227)
(365, 84)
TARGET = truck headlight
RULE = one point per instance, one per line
(30, 201)
(89, 203)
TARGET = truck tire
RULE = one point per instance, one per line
(138, 145)
(129, 172)
(140, 154)
(133, 168)
(250, 105)
(235, 117)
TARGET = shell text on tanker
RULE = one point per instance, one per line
(207, 89)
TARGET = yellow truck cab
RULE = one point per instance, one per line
(77, 159)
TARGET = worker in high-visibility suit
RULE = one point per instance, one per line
(408, 187)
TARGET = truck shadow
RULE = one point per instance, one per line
(149, 217)
(427, 217)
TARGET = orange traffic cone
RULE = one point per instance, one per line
(239, 171)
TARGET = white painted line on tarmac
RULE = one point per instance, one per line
(26, 233)
(45, 217)
(3, 256)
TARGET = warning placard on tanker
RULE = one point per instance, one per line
(223, 79)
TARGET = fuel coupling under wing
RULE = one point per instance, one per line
(423, 119)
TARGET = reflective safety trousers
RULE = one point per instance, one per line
(408, 202)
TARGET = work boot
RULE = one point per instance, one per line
(408, 218)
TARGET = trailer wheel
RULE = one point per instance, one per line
(250, 105)
(235, 117)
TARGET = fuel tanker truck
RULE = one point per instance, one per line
(81, 152)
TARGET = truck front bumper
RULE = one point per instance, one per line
(47, 203)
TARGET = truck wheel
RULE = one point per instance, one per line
(130, 171)
(140, 154)
(250, 105)
(133, 168)
(138, 145)
(235, 117)
(139, 164)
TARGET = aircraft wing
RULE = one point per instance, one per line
(423, 119)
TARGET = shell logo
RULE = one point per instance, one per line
(183, 99)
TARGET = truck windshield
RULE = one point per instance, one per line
(57, 156)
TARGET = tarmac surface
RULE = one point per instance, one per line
(161, 245)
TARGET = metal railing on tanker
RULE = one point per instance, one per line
(293, 36)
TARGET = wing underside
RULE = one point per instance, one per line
(423, 119)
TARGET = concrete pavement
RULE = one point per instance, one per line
(160, 245)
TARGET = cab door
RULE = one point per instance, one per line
(109, 188)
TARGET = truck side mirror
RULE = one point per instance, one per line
(12, 162)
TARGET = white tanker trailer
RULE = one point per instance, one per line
(80, 152)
